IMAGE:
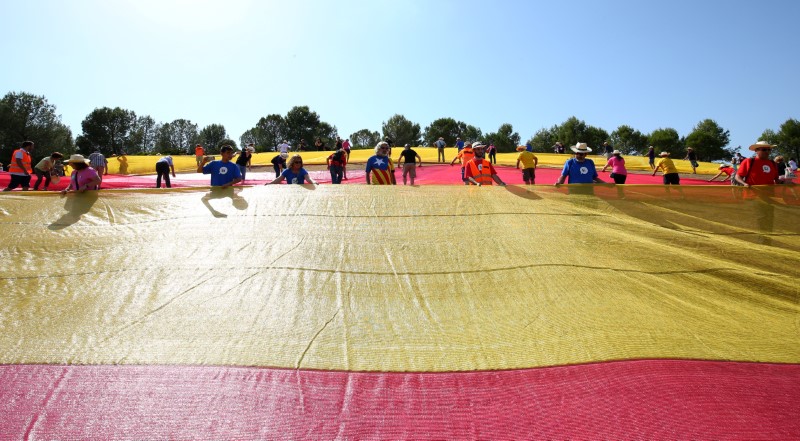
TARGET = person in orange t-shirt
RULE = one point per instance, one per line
(199, 152)
(464, 155)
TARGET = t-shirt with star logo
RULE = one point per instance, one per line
(382, 169)
(221, 172)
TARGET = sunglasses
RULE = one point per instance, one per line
(763, 150)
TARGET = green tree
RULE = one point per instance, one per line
(177, 137)
(107, 129)
(402, 131)
(212, 135)
(708, 140)
(251, 137)
(769, 136)
(595, 137)
(665, 140)
(505, 139)
(270, 131)
(470, 132)
(789, 139)
(143, 136)
(572, 131)
(27, 117)
(364, 139)
(544, 139)
(629, 140)
(448, 128)
(327, 133)
(302, 123)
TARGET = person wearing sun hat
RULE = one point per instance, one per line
(758, 170)
(725, 169)
(618, 171)
(671, 176)
(529, 162)
(579, 170)
(279, 163)
(691, 156)
(83, 176)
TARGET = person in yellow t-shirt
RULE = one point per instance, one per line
(529, 162)
(671, 176)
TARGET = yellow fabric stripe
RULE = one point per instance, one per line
(378, 278)
(143, 165)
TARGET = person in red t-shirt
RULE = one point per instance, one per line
(727, 170)
(758, 170)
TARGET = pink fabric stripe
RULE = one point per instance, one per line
(667, 399)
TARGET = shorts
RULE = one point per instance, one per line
(694, 163)
(528, 174)
(672, 179)
(410, 170)
(618, 178)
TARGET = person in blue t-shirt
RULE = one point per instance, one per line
(459, 144)
(294, 173)
(224, 173)
(579, 169)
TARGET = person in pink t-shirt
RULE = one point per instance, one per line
(618, 171)
(83, 177)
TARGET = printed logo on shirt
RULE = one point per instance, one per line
(766, 168)
(584, 170)
(480, 167)
(294, 180)
(223, 170)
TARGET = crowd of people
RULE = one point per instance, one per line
(476, 161)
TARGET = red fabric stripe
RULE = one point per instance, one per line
(620, 400)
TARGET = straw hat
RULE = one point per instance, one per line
(616, 152)
(761, 144)
(478, 145)
(663, 154)
(521, 148)
(77, 158)
(580, 147)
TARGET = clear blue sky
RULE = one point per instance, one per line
(356, 63)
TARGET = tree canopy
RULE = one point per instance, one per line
(213, 135)
(666, 140)
(364, 138)
(107, 130)
(402, 131)
(629, 141)
(450, 129)
(300, 123)
(27, 117)
(708, 140)
(505, 139)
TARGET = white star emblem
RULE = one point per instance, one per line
(379, 161)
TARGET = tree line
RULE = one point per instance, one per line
(116, 131)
